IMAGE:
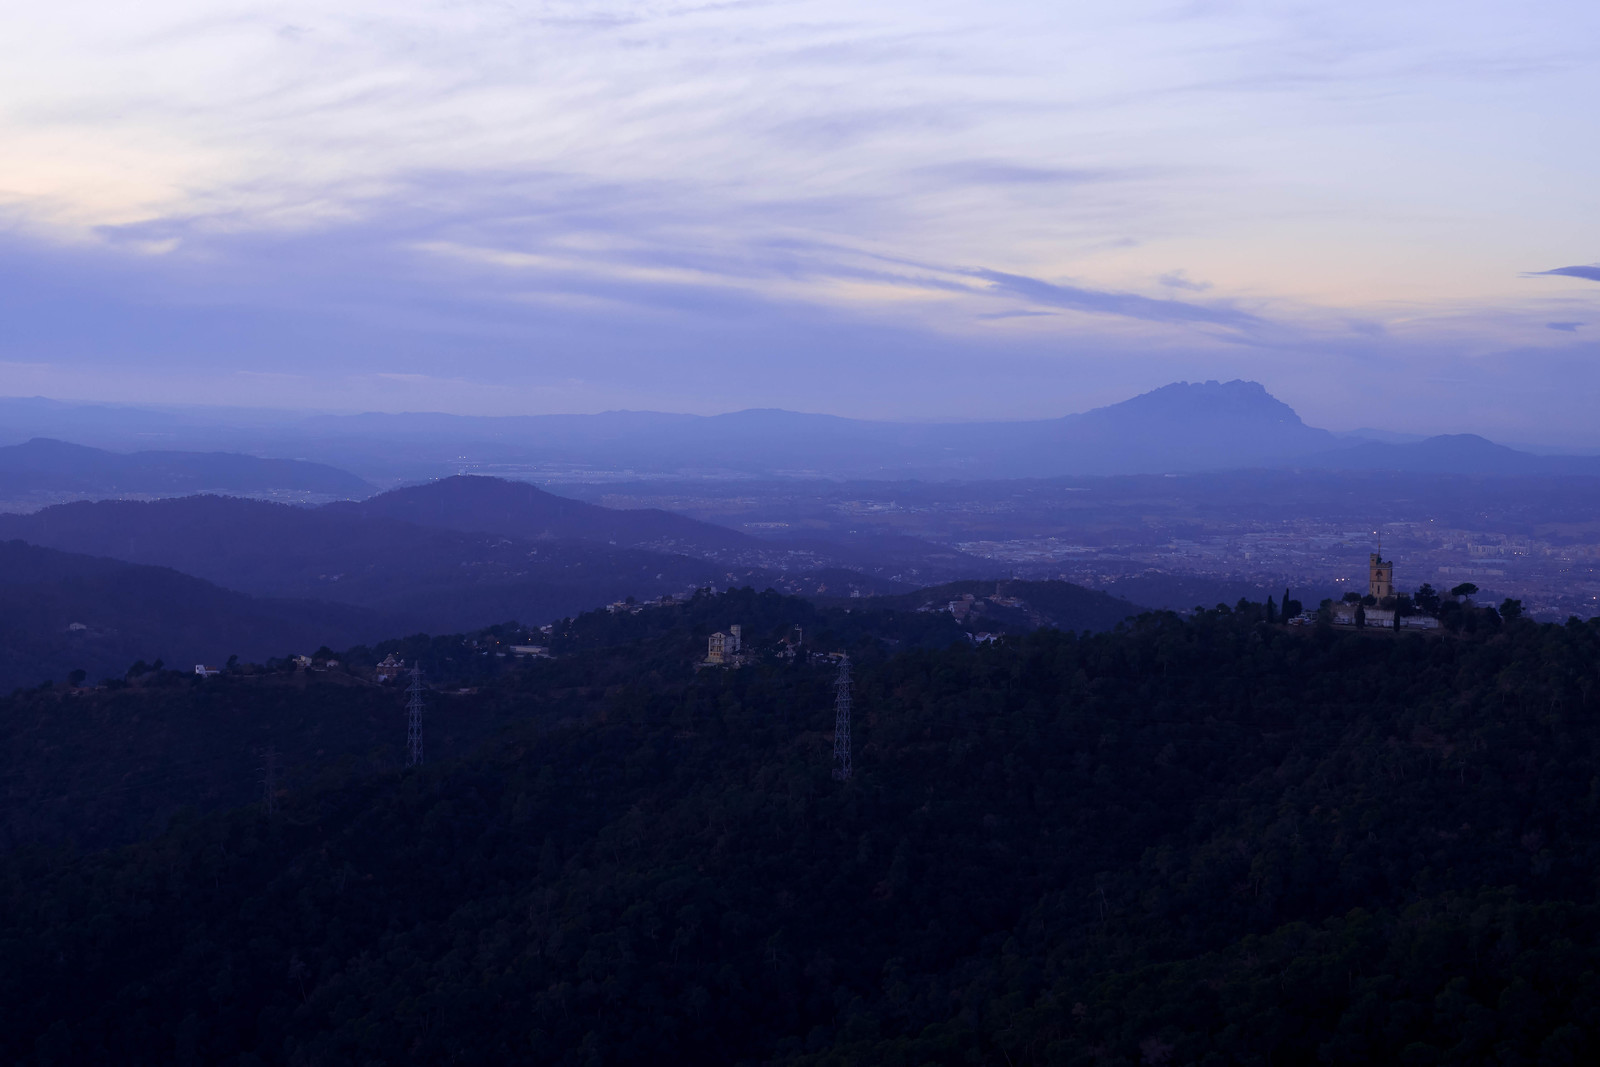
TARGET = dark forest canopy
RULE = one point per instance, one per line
(1202, 840)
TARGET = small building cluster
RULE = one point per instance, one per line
(726, 648)
(631, 606)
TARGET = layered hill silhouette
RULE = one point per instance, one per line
(43, 465)
(62, 611)
(415, 577)
(472, 552)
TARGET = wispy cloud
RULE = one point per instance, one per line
(1177, 279)
(1589, 272)
(999, 172)
(1129, 305)
(692, 200)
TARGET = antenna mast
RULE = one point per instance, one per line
(841, 723)
(414, 719)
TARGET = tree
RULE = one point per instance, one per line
(1427, 598)
(76, 678)
(1270, 608)
(1465, 589)
(1510, 610)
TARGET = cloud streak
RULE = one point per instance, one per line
(1588, 272)
(1128, 305)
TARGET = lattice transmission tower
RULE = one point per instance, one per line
(841, 723)
(414, 719)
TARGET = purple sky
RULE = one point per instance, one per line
(905, 210)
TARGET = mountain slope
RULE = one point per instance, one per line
(43, 465)
(1188, 842)
(418, 577)
(61, 611)
(1182, 427)
(1462, 453)
(1017, 606)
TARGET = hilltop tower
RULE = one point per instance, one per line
(1380, 576)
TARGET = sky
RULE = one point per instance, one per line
(1386, 213)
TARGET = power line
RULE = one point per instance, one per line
(841, 723)
(414, 719)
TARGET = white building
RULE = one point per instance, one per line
(722, 649)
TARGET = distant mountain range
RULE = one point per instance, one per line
(46, 466)
(1180, 428)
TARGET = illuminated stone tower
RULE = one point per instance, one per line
(1380, 576)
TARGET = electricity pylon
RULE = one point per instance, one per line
(414, 719)
(841, 723)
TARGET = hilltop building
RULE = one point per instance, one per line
(723, 649)
(1384, 612)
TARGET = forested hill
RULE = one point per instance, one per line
(1204, 840)
(475, 504)
(62, 612)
